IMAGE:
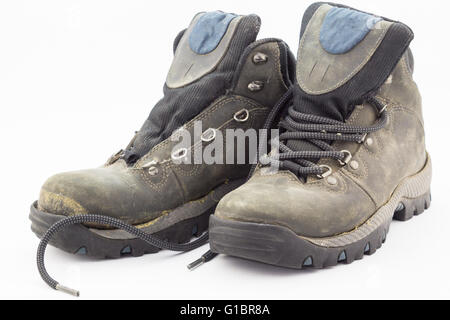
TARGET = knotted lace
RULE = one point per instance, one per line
(320, 132)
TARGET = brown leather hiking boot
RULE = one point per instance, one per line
(351, 155)
(221, 77)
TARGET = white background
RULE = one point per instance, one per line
(77, 78)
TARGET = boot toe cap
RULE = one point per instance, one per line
(309, 211)
(96, 191)
(59, 193)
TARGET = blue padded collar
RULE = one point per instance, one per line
(209, 31)
(344, 28)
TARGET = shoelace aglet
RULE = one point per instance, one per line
(67, 290)
(208, 256)
(197, 263)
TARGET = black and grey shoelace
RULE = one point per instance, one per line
(110, 222)
(320, 132)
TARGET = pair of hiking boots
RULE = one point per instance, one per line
(350, 155)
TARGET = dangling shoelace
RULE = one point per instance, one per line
(115, 223)
(319, 131)
(110, 222)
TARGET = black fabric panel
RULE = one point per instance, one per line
(177, 40)
(180, 105)
(244, 56)
(288, 63)
(309, 14)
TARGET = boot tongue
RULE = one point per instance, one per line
(203, 45)
(344, 56)
(207, 54)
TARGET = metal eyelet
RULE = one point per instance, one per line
(260, 58)
(153, 171)
(354, 164)
(332, 180)
(347, 159)
(256, 86)
(209, 135)
(327, 173)
(242, 116)
(179, 154)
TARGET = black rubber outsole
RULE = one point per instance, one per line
(279, 246)
(79, 239)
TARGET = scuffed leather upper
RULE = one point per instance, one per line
(319, 209)
(132, 194)
(334, 84)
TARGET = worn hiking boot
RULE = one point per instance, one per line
(351, 154)
(219, 77)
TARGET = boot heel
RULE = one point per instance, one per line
(408, 208)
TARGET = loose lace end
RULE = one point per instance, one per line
(64, 289)
(205, 258)
(107, 221)
(197, 263)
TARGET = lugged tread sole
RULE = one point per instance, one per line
(79, 239)
(279, 246)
